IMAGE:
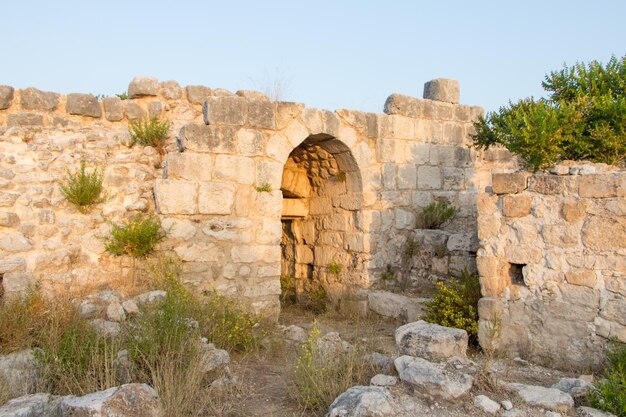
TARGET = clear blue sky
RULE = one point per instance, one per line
(331, 54)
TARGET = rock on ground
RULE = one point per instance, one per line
(130, 400)
(486, 404)
(34, 405)
(549, 398)
(433, 380)
(592, 412)
(431, 341)
(361, 401)
(575, 387)
(19, 369)
(212, 359)
(382, 380)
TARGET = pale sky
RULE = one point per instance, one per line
(329, 54)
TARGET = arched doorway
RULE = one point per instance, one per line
(322, 244)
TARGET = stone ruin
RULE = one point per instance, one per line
(252, 190)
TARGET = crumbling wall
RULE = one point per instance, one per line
(552, 263)
(219, 187)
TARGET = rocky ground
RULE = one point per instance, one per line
(421, 370)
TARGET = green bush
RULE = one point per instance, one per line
(456, 304)
(137, 237)
(584, 118)
(83, 188)
(609, 393)
(436, 214)
(149, 133)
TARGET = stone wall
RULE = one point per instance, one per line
(233, 185)
(552, 263)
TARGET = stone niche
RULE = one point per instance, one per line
(321, 245)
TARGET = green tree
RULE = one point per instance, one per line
(583, 118)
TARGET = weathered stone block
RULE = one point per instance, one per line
(33, 99)
(176, 196)
(134, 111)
(442, 89)
(573, 210)
(24, 120)
(14, 241)
(143, 86)
(156, 108)
(7, 199)
(428, 178)
(170, 90)
(252, 95)
(407, 177)
(261, 114)
(189, 166)
(202, 138)
(404, 105)
(604, 234)
(234, 168)
(584, 278)
(83, 105)
(6, 96)
(366, 123)
(215, 198)
(196, 94)
(453, 133)
(113, 109)
(433, 380)
(546, 184)
(294, 207)
(517, 205)
(509, 183)
(561, 235)
(597, 186)
(225, 111)
(250, 142)
(8, 219)
(268, 172)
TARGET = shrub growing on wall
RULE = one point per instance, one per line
(137, 237)
(584, 118)
(83, 188)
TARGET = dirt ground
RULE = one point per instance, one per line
(266, 385)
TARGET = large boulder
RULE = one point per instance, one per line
(361, 401)
(433, 380)
(19, 370)
(34, 405)
(143, 86)
(130, 400)
(431, 341)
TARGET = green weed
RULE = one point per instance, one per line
(137, 237)
(82, 188)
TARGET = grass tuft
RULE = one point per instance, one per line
(149, 133)
(137, 237)
(83, 188)
(436, 214)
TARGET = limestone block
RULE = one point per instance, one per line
(294, 208)
(235, 230)
(404, 105)
(366, 123)
(83, 105)
(202, 138)
(604, 234)
(33, 99)
(156, 108)
(234, 168)
(6, 96)
(407, 177)
(428, 178)
(196, 94)
(24, 120)
(176, 196)
(433, 380)
(113, 109)
(255, 253)
(356, 242)
(252, 95)
(487, 265)
(262, 289)
(8, 219)
(268, 202)
(231, 110)
(404, 219)
(536, 396)
(442, 89)
(615, 310)
(304, 254)
(453, 178)
(268, 172)
(431, 341)
(312, 119)
(453, 133)
(517, 205)
(15, 264)
(362, 401)
(286, 112)
(490, 308)
(597, 186)
(17, 282)
(487, 204)
(216, 198)
(393, 305)
(429, 130)
(189, 166)
(200, 252)
(138, 400)
(261, 114)
(250, 142)
(269, 232)
(143, 86)
(296, 133)
(278, 148)
(170, 90)
(363, 155)
(573, 210)
(466, 242)
(561, 235)
(546, 184)
(509, 183)
(14, 241)
(133, 111)
(523, 254)
(331, 125)
(400, 127)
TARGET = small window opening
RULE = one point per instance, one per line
(516, 274)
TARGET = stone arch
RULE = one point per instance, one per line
(322, 245)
